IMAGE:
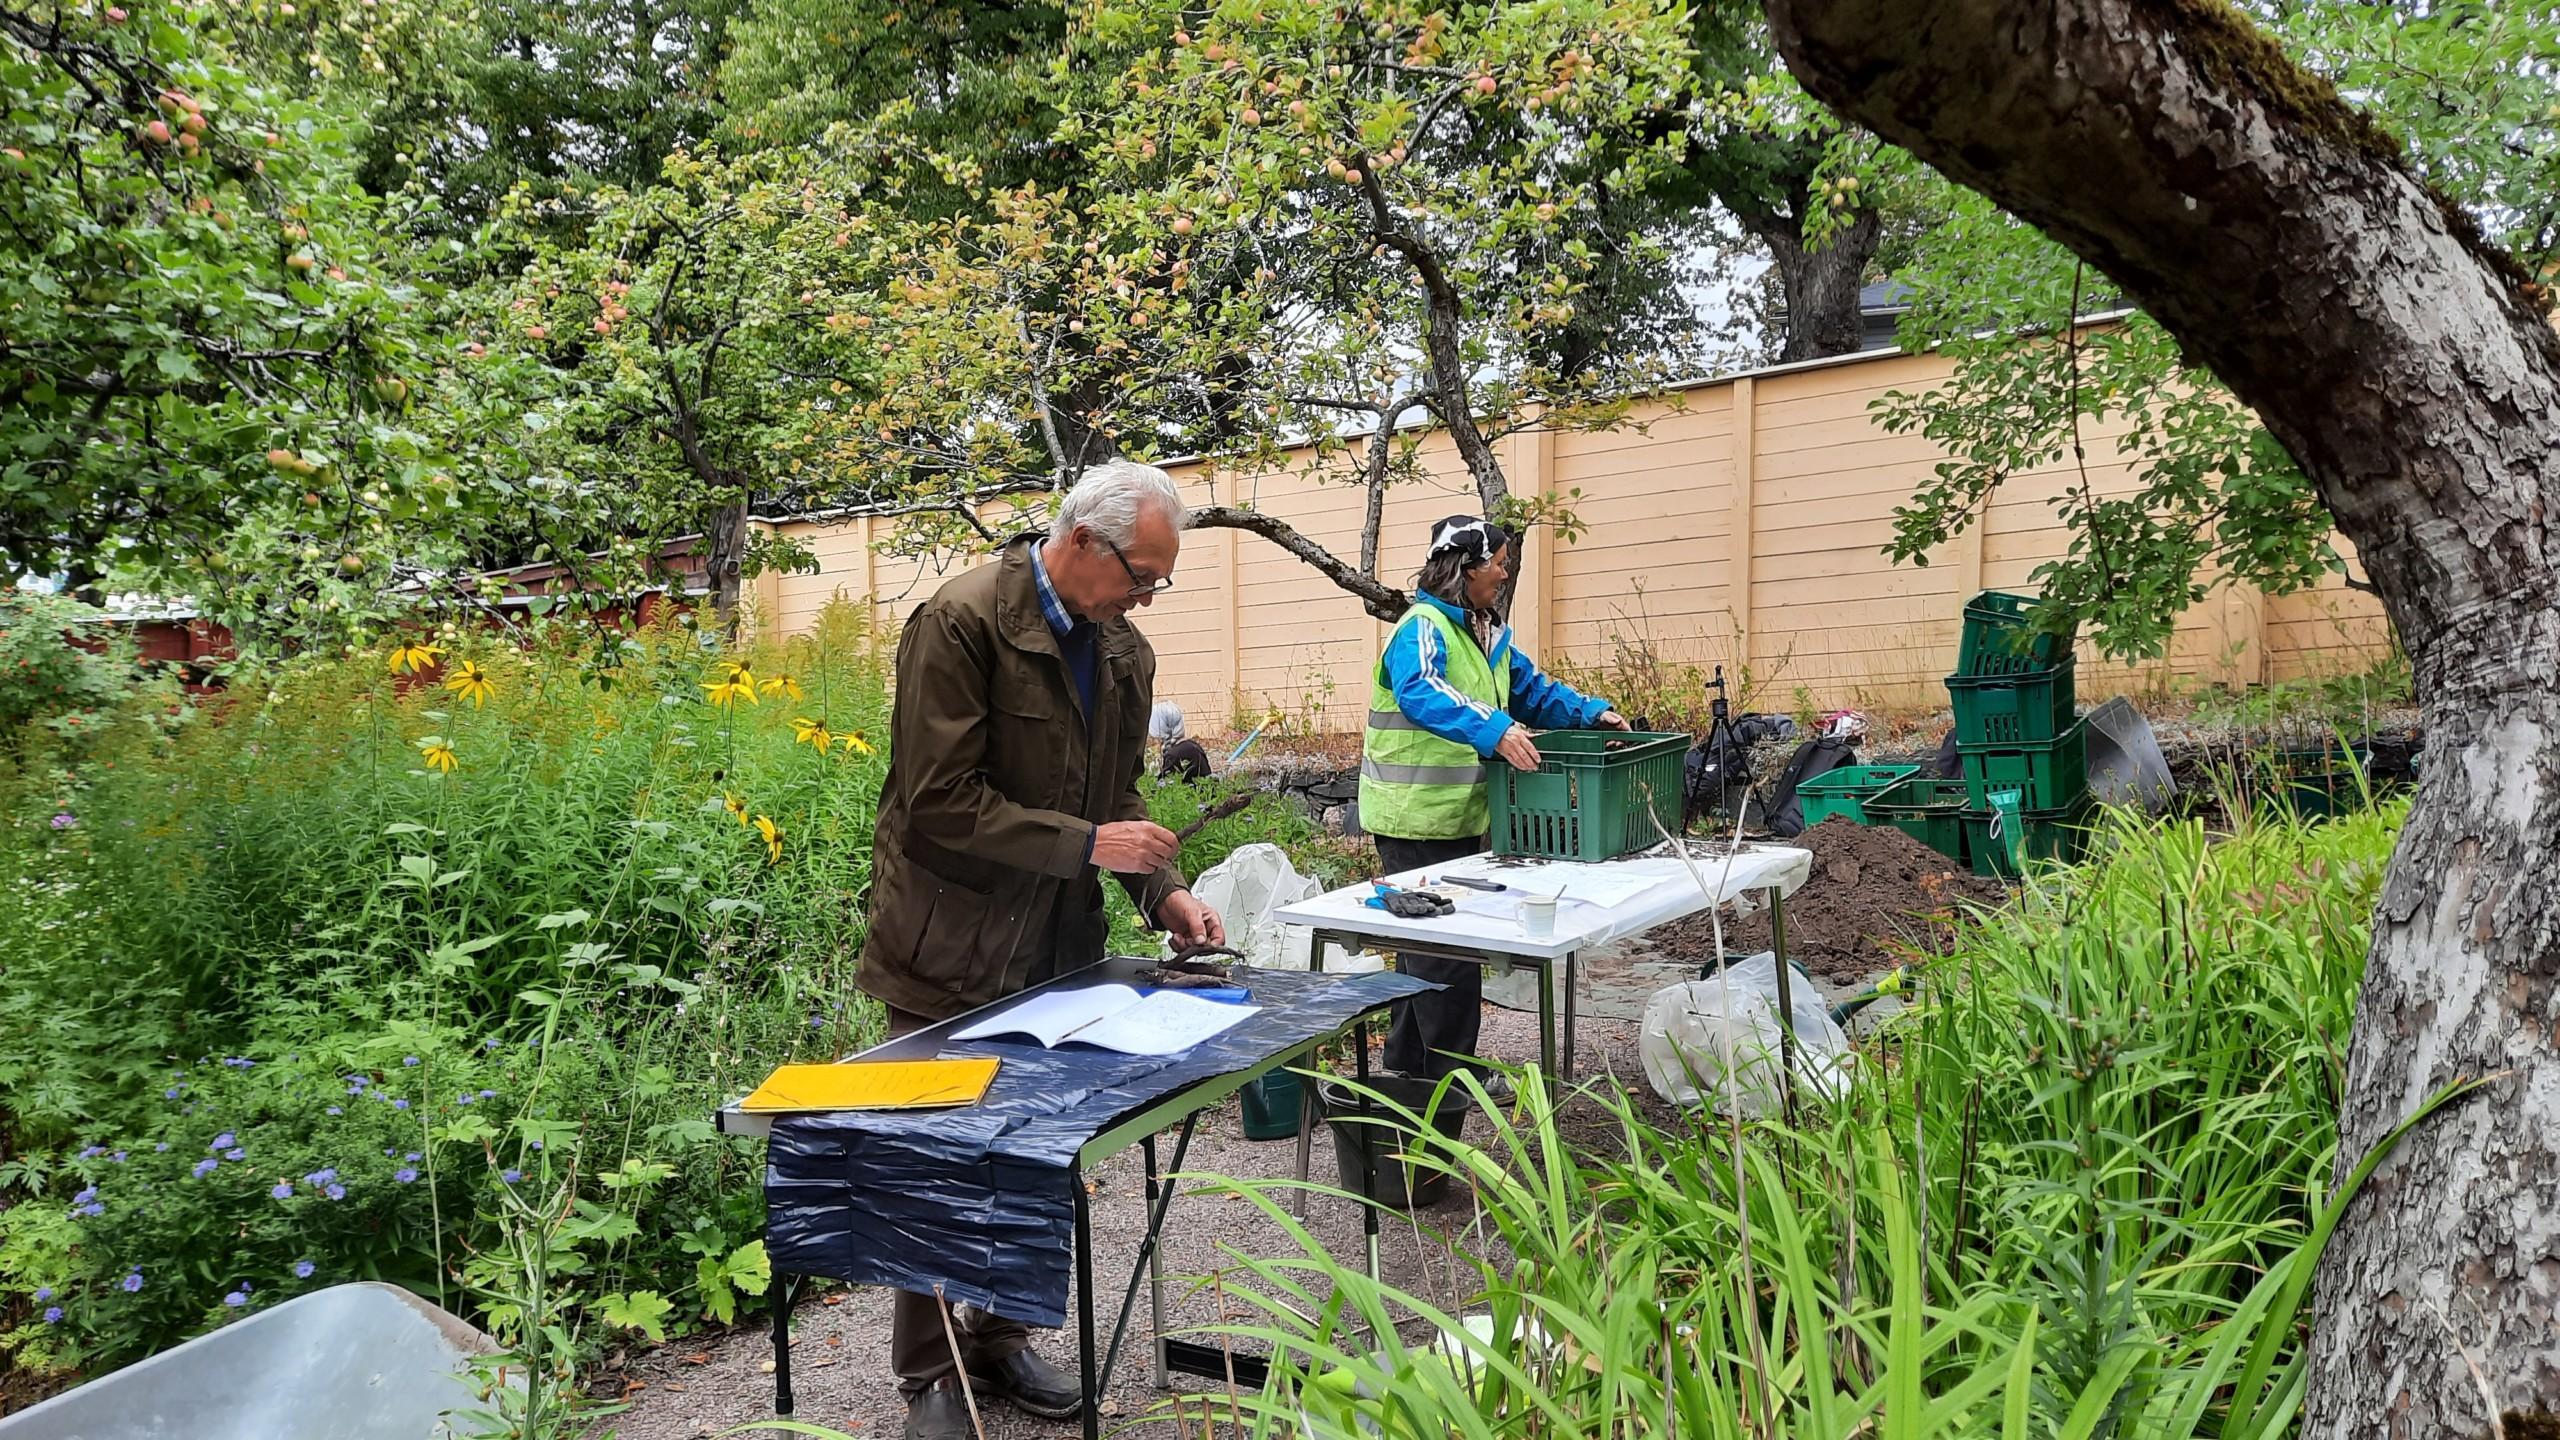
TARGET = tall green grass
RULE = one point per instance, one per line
(2077, 1191)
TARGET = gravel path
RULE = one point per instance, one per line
(840, 1351)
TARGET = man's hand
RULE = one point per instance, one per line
(1190, 923)
(1518, 748)
(1133, 847)
(1611, 720)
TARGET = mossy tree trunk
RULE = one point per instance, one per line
(2412, 372)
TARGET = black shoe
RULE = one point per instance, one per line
(939, 1413)
(1032, 1384)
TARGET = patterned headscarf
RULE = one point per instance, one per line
(1477, 540)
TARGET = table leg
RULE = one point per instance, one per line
(1155, 1271)
(1306, 1139)
(783, 1285)
(1786, 1004)
(1084, 1309)
(1547, 1017)
(1572, 1006)
(1368, 1155)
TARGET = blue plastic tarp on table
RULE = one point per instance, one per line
(979, 1200)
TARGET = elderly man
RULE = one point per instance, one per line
(1019, 734)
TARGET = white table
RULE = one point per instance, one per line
(1617, 899)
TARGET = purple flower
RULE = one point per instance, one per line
(334, 1110)
(336, 1192)
(223, 1141)
(160, 1149)
(488, 1094)
(462, 1099)
(413, 1157)
(283, 1190)
(409, 1060)
(237, 1063)
(235, 1299)
(405, 1174)
(537, 1144)
(43, 1293)
(359, 1082)
(119, 1156)
(53, 1313)
(399, 1104)
(85, 1196)
(511, 1176)
(133, 1282)
(235, 1153)
(489, 1044)
(320, 1177)
(207, 1166)
(93, 1152)
(172, 1092)
(92, 1209)
(302, 1269)
(64, 820)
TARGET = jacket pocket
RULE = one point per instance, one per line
(931, 927)
(1029, 745)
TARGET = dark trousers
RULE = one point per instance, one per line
(918, 1349)
(1432, 1031)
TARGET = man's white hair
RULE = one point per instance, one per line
(1110, 497)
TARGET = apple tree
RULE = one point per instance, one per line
(217, 378)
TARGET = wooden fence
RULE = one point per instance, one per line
(1739, 521)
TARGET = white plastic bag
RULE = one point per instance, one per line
(1244, 889)
(1690, 1028)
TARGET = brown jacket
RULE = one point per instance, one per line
(980, 881)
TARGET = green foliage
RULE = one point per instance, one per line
(529, 978)
(62, 666)
(221, 373)
(2078, 1191)
(2215, 497)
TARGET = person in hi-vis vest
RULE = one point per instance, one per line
(1451, 695)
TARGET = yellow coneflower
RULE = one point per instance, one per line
(438, 753)
(783, 685)
(409, 657)
(772, 834)
(734, 806)
(737, 683)
(805, 731)
(852, 740)
(471, 682)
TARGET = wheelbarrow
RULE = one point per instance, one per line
(365, 1360)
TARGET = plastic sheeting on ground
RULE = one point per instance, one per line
(979, 1200)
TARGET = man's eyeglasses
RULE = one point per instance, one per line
(1138, 584)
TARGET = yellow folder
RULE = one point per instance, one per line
(875, 1085)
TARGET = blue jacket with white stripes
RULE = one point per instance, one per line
(1417, 674)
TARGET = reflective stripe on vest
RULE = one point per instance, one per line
(1415, 785)
(1420, 774)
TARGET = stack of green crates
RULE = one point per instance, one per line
(1846, 790)
(1929, 811)
(2017, 729)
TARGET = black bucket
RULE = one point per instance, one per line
(1362, 1127)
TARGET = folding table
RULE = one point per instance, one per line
(1624, 898)
(1356, 998)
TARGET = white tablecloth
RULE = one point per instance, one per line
(1617, 899)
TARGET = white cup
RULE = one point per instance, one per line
(1538, 916)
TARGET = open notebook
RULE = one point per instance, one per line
(1114, 1017)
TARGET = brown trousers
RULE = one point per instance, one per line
(919, 1350)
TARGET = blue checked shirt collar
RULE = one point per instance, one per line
(1051, 608)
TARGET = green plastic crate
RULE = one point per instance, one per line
(1929, 811)
(2051, 774)
(1586, 801)
(1845, 790)
(1996, 640)
(2050, 835)
(2014, 709)
(2313, 784)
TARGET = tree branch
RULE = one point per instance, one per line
(1382, 601)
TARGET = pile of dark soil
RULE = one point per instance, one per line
(1875, 895)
